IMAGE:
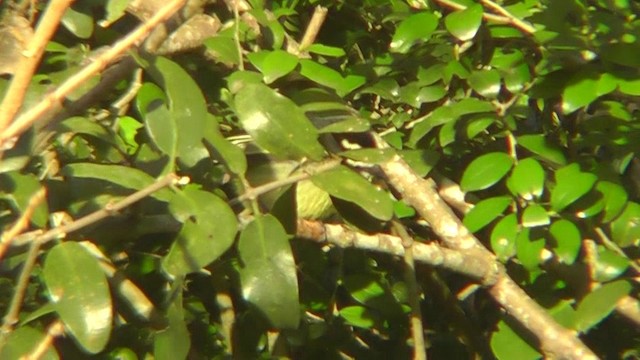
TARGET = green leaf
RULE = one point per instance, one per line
(529, 249)
(209, 230)
(187, 108)
(268, 278)
(329, 77)
(485, 171)
(223, 49)
(609, 265)
(223, 150)
(527, 179)
(22, 342)
(128, 129)
(567, 240)
(503, 237)
(485, 212)
(485, 82)
(599, 303)
(348, 185)
(359, 316)
(535, 215)
(115, 9)
(20, 189)
(421, 161)
(507, 344)
(78, 23)
(571, 184)
(127, 177)
(538, 145)
(464, 24)
(625, 229)
(161, 128)
(276, 64)
(325, 50)
(416, 28)
(174, 341)
(370, 156)
(614, 197)
(78, 288)
(276, 123)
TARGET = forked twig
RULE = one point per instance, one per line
(505, 17)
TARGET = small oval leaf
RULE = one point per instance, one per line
(599, 303)
(485, 171)
(485, 212)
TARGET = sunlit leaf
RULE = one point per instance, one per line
(609, 265)
(276, 123)
(535, 215)
(538, 145)
(568, 240)
(571, 184)
(485, 171)
(464, 24)
(625, 229)
(416, 28)
(503, 237)
(599, 303)
(485, 212)
(527, 179)
(78, 288)
(507, 344)
(529, 247)
(22, 342)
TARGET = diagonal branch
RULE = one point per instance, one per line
(420, 193)
(27, 119)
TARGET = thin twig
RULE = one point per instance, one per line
(313, 29)
(512, 19)
(417, 330)
(55, 97)
(31, 58)
(236, 35)
(501, 19)
(306, 173)
(23, 222)
(16, 302)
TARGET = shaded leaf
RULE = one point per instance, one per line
(209, 228)
(538, 145)
(609, 265)
(329, 77)
(503, 237)
(174, 341)
(348, 185)
(625, 229)
(79, 290)
(507, 344)
(268, 278)
(22, 342)
(529, 248)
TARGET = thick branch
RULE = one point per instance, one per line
(555, 340)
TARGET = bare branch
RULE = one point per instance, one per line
(313, 28)
(29, 117)
(504, 18)
(31, 58)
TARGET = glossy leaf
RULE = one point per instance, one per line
(485, 212)
(485, 82)
(127, 177)
(222, 149)
(269, 280)
(416, 28)
(485, 171)
(503, 237)
(567, 240)
(276, 123)
(599, 303)
(507, 344)
(348, 185)
(529, 249)
(464, 24)
(209, 228)
(329, 77)
(78, 23)
(609, 265)
(22, 342)
(538, 145)
(277, 64)
(625, 229)
(187, 108)
(614, 198)
(527, 179)
(571, 184)
(78, 288)
(535, 215)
